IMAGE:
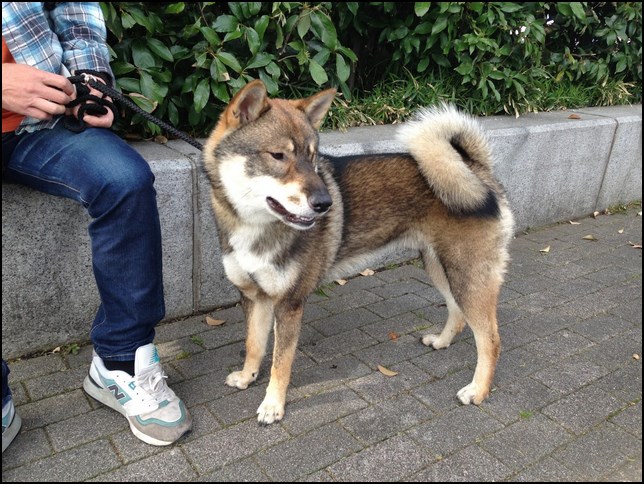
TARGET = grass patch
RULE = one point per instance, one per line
(395, 99)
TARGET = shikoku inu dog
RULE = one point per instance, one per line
(289, 219)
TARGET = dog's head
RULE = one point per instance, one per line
(266, 153)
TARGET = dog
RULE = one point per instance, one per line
(289, 219)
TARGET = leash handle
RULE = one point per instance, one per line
(85, 79)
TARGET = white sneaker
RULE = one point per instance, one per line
(11, 424)
(156, 415)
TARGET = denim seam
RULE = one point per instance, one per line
(55, 182)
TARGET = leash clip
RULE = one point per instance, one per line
(87, 78)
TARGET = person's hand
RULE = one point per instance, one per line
(102, 121)
(32, 92)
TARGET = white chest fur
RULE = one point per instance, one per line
(246, 264)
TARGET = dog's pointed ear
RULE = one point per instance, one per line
(249, 103)
(316, 106)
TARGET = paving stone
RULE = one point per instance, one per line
(468, 465)
(307, 453)
(385, 419)
(603, 450)
(316, 410)
(376, 464)
(243, 440)
(526, 441)
(455, 430)
(583, 409)
(167, 466)
(70, 465)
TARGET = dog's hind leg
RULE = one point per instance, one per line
(259, 320)
(480, 312)
(455, 320)
(288, 320)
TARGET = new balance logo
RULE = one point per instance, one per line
(116, 390)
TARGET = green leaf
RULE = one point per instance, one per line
(421, 8)
(271, 85)
(578, 10)
(273, 69)
(230, 60)
(175, 7)
(129, 84)
(220, 90)
(348, 53)
(160, 49)
(261, 59)
(202, 93)
(211, 36)
(260, 26)
(353, 7)
(423, 28)
(142, 19)
(119, 68)
(253, 40)
(144, 103)
(324, 29)
(439, 25)
(342, 68)
(127, 21)
(303, 25)
(173, 114)
(423, 64)
(141, 56)
(151, 89)
(317, 73)
(225, 23)
(254, 8)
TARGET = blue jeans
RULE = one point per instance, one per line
(115, 184)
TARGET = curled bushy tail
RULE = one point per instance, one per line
(453, 154)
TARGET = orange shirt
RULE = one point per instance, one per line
(10, 121)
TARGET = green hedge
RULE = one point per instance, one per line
(184, 61)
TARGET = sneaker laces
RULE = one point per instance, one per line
(152, 380)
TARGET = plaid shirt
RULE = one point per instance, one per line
(58, 37)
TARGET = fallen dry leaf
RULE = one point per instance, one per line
(393, 336)
(341, 282)
(639, 214)
(636, 356)
(589, 237)
(620, 231)
(574, 116)
(210, 321)
(368, 272)
(160, 139)
(595, 214)
(546, 250)
(574, 223)
(56, 349)
(635, 246)
(386, 371)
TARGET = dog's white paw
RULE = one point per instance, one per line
(270, 411)
(471, 394)
(239, 380)
(435, 341)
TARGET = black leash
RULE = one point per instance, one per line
(99, 107)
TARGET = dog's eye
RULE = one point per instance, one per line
(277, 156)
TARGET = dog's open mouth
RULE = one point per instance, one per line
(291, 218)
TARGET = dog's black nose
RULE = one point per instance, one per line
(320, 201)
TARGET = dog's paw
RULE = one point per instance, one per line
(471, 394)
(270, 411)
(237, 379)
(435, 341)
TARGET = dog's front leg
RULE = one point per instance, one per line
(288, 319)
(258, 309)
